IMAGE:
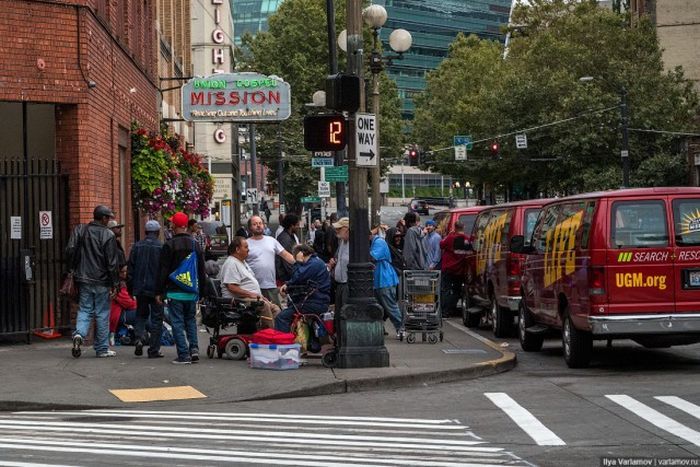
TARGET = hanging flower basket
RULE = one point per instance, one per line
(167, 178)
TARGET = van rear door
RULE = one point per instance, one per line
(640, 257)
(686, 230)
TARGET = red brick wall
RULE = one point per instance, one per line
(40, 63)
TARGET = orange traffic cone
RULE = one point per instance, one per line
(49, 323)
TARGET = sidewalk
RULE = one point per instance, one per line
(45, 376)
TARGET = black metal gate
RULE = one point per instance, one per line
(34, 225)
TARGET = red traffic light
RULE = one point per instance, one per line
(413, 153)
(495, 147)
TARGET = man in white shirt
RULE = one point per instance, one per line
(261, 258)
(239, 282)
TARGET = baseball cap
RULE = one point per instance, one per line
(429, 222)
(344, 222)
(179, 219)
(113, 224)
(152, 226)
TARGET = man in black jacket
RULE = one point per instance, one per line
(182, 305)
(144, 268)
(288, 239)
(93, 255)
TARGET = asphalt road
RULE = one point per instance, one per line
(632, 402)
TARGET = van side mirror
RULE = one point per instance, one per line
(517, 245)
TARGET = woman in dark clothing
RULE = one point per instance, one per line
(308, 270)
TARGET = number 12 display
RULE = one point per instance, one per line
(325, 132)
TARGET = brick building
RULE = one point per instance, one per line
(73, 75)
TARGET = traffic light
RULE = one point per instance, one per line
(495, 148)
(413, 156)
(325, 132)
(343, 92)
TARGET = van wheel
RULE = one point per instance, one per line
(470, 320)
(499, 320)
(528, 341)
(578, 345)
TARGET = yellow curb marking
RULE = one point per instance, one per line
(157, 394)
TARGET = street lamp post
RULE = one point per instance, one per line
(400, 41)
(624, 124)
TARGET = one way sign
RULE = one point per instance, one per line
(366, 140)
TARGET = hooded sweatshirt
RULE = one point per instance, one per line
(413, 252)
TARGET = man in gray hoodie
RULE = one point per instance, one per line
(413, 252)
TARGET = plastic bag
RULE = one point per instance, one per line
(302, 333)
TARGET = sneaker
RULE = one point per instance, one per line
(107, 354)
(156, 355)
(138, 348)
(77, 342)
(178, 361)
(111, 339)
(194, 356)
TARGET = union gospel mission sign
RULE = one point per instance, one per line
(236, 97)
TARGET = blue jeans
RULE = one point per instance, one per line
(182, 318)
(150, 312)
(94, 304)
(283, 320)
(386, 296)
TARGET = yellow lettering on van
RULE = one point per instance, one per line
(560, 249)
(490, 248)
(638, 280)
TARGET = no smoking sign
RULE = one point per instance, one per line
(45, 225)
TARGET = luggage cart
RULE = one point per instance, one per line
(421, 303)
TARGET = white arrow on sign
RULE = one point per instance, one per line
(365, 140)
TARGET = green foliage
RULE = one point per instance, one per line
(475, 91)
(295, 48)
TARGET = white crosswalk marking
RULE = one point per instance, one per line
(195, 438)
(656, 418)
(542, 435)
(680, 404)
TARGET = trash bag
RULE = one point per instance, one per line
(302, 333)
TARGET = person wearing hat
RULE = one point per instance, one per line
(431, 245)
(339, 263)
(116, 229)
(92, 254)
(182, 304)
(143, 270)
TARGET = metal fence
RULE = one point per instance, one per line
(34, 229)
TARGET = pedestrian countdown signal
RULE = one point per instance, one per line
(325, 133)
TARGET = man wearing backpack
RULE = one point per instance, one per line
(182, 302)
(92, 252)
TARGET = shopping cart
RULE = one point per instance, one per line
(421, 304)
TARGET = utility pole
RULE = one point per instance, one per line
(360, 323)
(253, 165)
(625, 152)
(280, 170)
(376, 214)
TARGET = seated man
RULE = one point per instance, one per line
(238, 282)
(309, 269)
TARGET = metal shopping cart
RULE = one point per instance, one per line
(421, 304)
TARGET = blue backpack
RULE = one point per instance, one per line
(185, 276)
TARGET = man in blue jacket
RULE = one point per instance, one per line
(385, 281)
(144, 269)
(312, 271)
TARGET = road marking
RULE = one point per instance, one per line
(681, 404)
(28, 464)
(542, 435)
(656, 418)
(170, 393)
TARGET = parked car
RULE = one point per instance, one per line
(218, 238)
(493, 277)
(621, 264)
(466, 216)
(419, 206)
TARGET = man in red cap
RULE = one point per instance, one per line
(182, 304)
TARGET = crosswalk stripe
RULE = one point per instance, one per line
(214, 454)
(656, 418)
(356, 421)
(680, 404)
(28, 464)
(542, 435)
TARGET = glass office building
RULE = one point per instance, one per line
(434, 24)
(251, 16)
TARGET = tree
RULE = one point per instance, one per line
(555, 43)
(295, 48)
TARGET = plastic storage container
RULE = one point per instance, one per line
(275, 356)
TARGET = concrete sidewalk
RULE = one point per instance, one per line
(45, 376)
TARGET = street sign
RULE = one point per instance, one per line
(460, 153)
(365, 140)
(322, 162)
(324, 189)
(521, 141)
(45, 225)
(310, 199)
(464, 140)
(251, 195)
(336, 174)
(624, 153)
(321, 154)
(384, 186)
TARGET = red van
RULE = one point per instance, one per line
(621, 264)
(466, 216)
(493, 276)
